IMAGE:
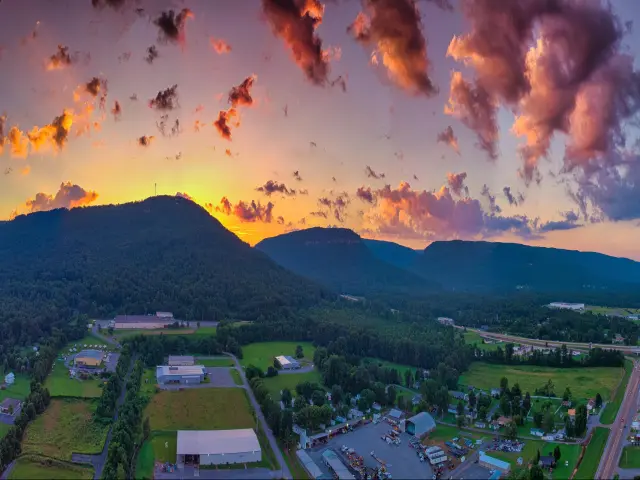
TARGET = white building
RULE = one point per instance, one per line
(567, 306)
(10, 379)
(287, 363)
(218, 447)
(166, 374)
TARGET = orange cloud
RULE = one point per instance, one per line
(25, 170)
(220, 46)
(68, 196)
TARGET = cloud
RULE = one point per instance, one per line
(280, 220)
(220, 46)
(493, 206)
(185, 196)
(94, 86)
(393, 29)
(514, 200)
(19, 143)
(272, 186)
(372, 174)
(3, 139)
(59, 60)
(50, 137)
(319, 213)
(295, 22)
(445, 5)
(172, 25)
(68, 196)
(151, 54)
(145, 141)
(165, 100)
(247, 211)
(449, 138)
(337, 206)
(297, 176)
(241, 94)
(222, 123)
(116, 110)
(568, 223)
(365, 194)
(456, 183)
(114, 4)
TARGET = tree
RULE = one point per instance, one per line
(318, 398)
(286, 396)
(472, 399)
(408, 378)
(482, 413)
(271, 372)
(146, 428)
(580, 422)
(598, 400)
(526, 404)
(460, 407)
(336, 394)
(536, 472)
(515, 390)
(367, 397)
(505, 406)
(556, 453)
(299, 351)
(402, 402)
(511, 431)
(391, 395)
(299, 403)
(252, 371)
(460, 421)
(198, 323)
(569, 430)
(548, 423)
(504, 384)
(566, 396)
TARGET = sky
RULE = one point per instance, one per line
(404, 121)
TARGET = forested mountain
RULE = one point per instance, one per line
(338, 257)
(164, 253)
(390, 252)
(486, 267)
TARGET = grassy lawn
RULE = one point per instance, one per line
(4, 429)
(592, 455)
(289, 380)
(398, 366)
(80, 344)
(200, 409)
(583, 382)
(612, 310)
(474, 338)
(206, 331)
(630, 457)
(568, 452)
(66, 427)
(148, 382)
(164, 447)
(295, 467)
(262, 354)
(444, 433)
(215, 362)
(612, 407)
(236, 376)
(33, 467)
(61, 385)
(125, 333)
(20, 389)
(145, 461)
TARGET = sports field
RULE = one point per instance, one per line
(64, 428)
(20, 389)
(61, 385)
(289, 380)
(592, 455)
(583, 382)
(262, 354)
(31, 467)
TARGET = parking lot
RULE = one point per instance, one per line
(473, 472)
(111, 361)
(220, 377)
(401, 460)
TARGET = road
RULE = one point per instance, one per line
(615, 443)
(256, 406)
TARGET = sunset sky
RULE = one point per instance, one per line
(362, 118)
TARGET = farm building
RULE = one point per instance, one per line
(10, 406)
(335, 464)
(446, 321)
(420, 424)
(287, 363)
(567, 306)
(309, 465)
(166, 374)
(181, 360)
(493, 463)
(140, 322)
(89, 358)
(218, 447)
(10, 378)
(395, 414)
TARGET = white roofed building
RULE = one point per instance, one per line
(287, 363)
(218, 447)
(567, 306)
(166, 374)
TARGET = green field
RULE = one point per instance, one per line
(164, 446)
(206, 331)
(630, 457)
(474, 338)
(80, 344)
(200, 409)
(444, 433)
(126, 333)
(66, 427)
(583, 382)
(215, 362)
(289, 380)
(398, 366)
(145, 461)
(30, 467)
(4, 429)
(148, 382)
(61, 385)
(592, 455)
(621, 311)
(612, 407)
(20, 389)
(262, 354)
(236, 376)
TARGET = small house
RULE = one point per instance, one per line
(495, 392)
(591, 404)
(459, 395)
(572, 413)
(536, 432)
(395, 414)
(10, 378)
(503, 421)
(547, 461)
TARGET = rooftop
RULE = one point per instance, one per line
(286, 360)
(139, 319)
(395, 413)
(423, 420)
(215, 442)
(7, 402)
(336, 464)
(494, 461)
(180, 370)
(96, 354)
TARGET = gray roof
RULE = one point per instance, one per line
(180, 370)
(423, 421)
(309, 465)
(140, 319)
(97, 354)
(215, 442)
(7, 402)
(395, 413)
(336, 464)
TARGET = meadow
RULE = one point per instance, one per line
(164, 445)
(592, 455)
(289, 380)
(474, 338)
(202, 331)
(215, 362)
(398, 366)
(444, 433)
(66, 427)
(611, 408)
(4, 429)
(584, 383)
(20, 389)
(145, 461)
(630, 457)
(31, 467)
(620, 311)
(261, 354)
(61, 385)
(236, 376)
(200, 409)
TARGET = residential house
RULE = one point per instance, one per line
(459, 395)
(547, 461)
(591, 404)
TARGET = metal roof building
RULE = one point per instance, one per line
(493, 463)
(180, 374)
(420, 424)
(181, 360)
(218, 447)
(310, 466)
(287, 362)
(336, 465)
(89, 358)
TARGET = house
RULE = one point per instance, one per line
(166, 374)
(618, 338)
(420, 424)
(445, 321)
(493, 463)
(502, 421)
(395, 414)
(218, 447)
(10, 406)
(10, 378)
(459, 395)
(168, 315)
(547, 461)
(572, 413)
(536, 432)
(89, 358)
(591, 404)
(566, 403)
(495, 392)
(567, 306)
(635, 422)
(336, 466)
(416, 400)
(287, 363)
(181, 360)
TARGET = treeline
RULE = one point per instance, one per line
(559, 357)
(36, 403)
(153, 349)
(109, 398)
(280, 421)
(119, 463)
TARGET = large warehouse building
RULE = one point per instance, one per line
(420, 424)
(218, 447)
(166, 374)
(287, 363)
(89, 358)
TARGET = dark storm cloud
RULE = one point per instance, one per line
(94, 86)
(272, 186)
(365, 194)
(172, 25)
(514, 200)
(165, 99)
(151, 54)
(241, 94)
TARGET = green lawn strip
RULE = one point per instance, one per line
(262, 354)
(269, 459)
(215, 362)
(148, 383)
(126, 333)
(474, 338)
(295, 467)
(145, 462)
(593, 454)
(164, 446)
(612, 407)
(206, 331)
(19, 390)
(630, 457)
(444, 433)
(4, 429)
(583, 382)
(31, 467)
(398, 366)
(236, 376)
(289, 380)
(60, 384)
(66, 427)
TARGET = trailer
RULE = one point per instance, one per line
(438, 461)
(432, 450)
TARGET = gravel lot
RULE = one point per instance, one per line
(220, 377)
(474, 472)
(402, 461)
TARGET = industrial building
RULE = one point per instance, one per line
(10, 406)
(166, 374)
(493, 463)
(142, 322)
(89, 358)
(339, 469)
(420, 424)
(181, 360)
(287, 363)
(218, 447)
(567, 306)
(309, 465)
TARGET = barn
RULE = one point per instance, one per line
(287, 363)
(218, 447)
(166, 374)
(420, 424)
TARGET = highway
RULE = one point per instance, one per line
(615, 443)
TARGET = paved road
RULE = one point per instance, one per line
(272, 440)
(611, 455)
